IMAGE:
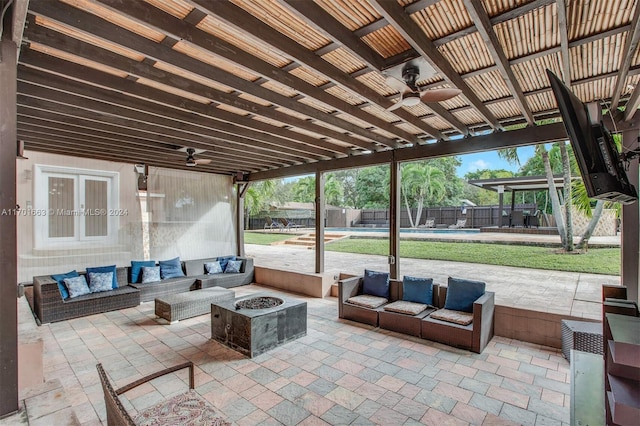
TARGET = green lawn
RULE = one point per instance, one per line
(595, 261)
(265, 238)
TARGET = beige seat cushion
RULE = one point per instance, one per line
(404, 307)
(188, 408)
(457, 317)
(367, 301)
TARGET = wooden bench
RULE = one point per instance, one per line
(176, 307)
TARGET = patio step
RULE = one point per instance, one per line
(309, 240)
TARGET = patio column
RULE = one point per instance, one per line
(8, 238)
(241, 189)
(394, 220)
(320, 207)
(630, 248)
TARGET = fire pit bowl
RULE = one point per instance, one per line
(259, 302)
(255, 324)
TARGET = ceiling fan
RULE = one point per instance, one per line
(410, 94)
(192, 162)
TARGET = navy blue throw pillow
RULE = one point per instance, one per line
(376, 283)
(417, 290)
(59, 278)
(171, 268)
(462, 293)
(224, 260)
(136, 269)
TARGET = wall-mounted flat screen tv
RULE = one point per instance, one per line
(600, 165)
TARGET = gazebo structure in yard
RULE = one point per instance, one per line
(247, 90)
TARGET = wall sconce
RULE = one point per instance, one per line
(143, 172)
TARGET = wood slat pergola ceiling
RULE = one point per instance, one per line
(262, 85)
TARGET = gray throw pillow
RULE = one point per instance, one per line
(100, 281)
(77, 286)
(150, 274)
(213, 267)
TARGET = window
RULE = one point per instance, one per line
(74, 206)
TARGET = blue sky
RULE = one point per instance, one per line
(490, 160)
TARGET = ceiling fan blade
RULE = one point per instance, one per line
(204, 161)
(439, 95)
(396, 84)
(395, 106)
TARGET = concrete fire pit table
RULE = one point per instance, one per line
(257, 323)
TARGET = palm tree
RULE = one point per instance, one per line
(421, 183)
(256, 198)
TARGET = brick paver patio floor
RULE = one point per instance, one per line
(340, 373)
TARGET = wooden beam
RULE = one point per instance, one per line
(414, 35)
(498, 140)
(171, 106)
(481, 19)
(563, 29)
(627, 54)
(237, 17)
(120, 145)
(212, 140)
(326, 24)
(68, 44)
(632, 104)
(498, 19)
(89, 23)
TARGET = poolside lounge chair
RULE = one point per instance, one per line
(459, 224)
(270, 223)
(429, 223)
(286, 224)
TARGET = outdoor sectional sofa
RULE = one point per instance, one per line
(195, 278)
(49, 306)
(473, 336)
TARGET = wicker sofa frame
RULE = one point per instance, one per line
(473, 337)
(50, 307)
(378, 317)
(404, 323)
(195, 268)
(350, 287)
(149, 291)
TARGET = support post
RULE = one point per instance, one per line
(630, 256)
(320, 216)
(8, 237)
(394, 220)
(241, 189)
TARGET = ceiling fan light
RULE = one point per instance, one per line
(411, 101)
(191, 163)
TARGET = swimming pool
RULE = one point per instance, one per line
(407, 230)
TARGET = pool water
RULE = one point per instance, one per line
(407, 230)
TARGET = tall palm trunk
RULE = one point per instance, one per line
(596, 214)
(566, 167)
(553, 194)
(406, 203)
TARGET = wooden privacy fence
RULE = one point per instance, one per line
(477, 217)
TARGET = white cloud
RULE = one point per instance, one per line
(479, 164)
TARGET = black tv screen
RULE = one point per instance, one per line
(602, 170)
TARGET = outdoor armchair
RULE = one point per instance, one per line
(187, 408)
(474, 336)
